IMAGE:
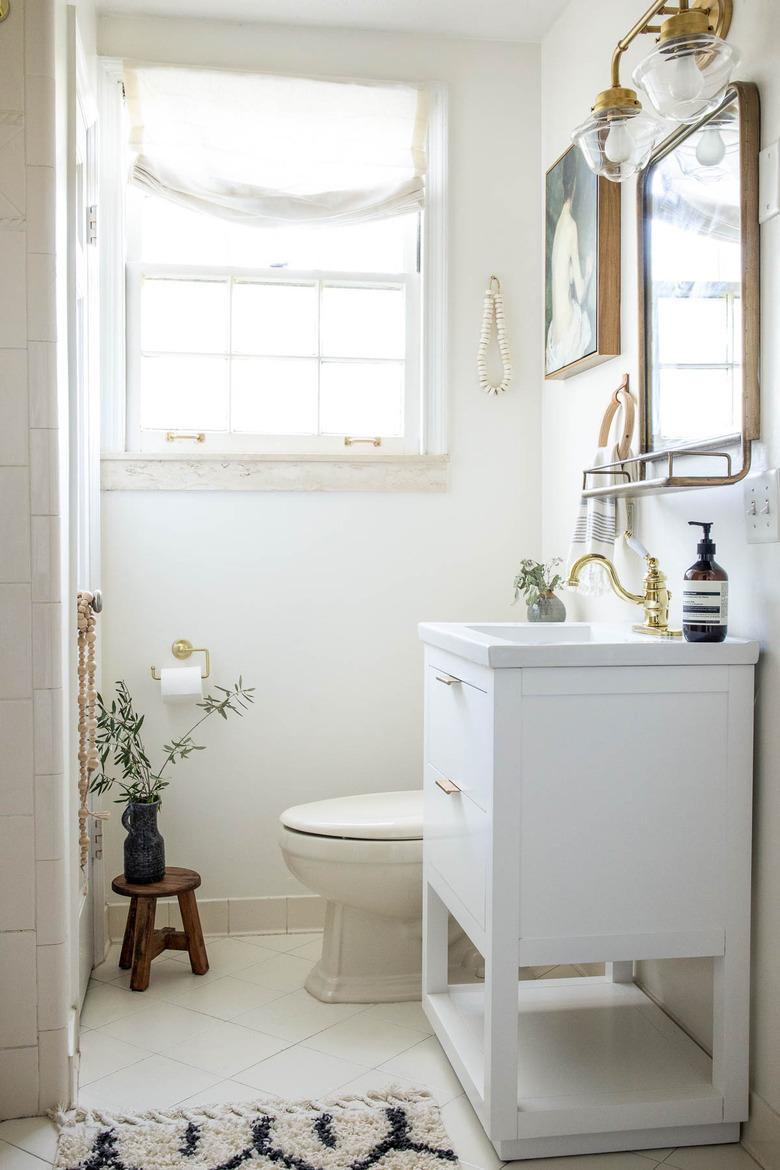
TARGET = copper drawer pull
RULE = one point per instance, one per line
(447, 679)
(447, 786)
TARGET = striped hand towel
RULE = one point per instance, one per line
(599, 524)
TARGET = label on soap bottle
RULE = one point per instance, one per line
(706, 603)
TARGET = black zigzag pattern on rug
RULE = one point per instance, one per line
(105, 1155)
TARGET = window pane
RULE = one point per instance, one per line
(691, 400)
(274, 396)
(187, 316)
(362, 322)
(275, 318)
(184, 393)
(693, 329)
(361, 398)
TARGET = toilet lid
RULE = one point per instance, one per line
(375, 816)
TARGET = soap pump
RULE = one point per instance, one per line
(705, 593)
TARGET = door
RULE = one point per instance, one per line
(84, 463)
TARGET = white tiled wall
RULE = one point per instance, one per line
(33, 961)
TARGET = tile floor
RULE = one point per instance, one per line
(248, 1028)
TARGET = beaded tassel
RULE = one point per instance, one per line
(87, 698)
(493, 318)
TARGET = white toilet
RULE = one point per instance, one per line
(363, 855)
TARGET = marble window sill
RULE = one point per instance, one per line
(128, 471)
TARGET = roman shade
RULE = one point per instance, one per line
(271, 150)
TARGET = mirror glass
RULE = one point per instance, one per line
(693, 244)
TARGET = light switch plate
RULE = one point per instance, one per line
(762, 506)
(769, 182)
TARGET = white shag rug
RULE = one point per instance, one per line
(394, 1130)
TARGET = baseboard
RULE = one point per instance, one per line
(275, 915)
(761, 1133)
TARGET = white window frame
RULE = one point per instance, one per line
(134, 469)
(228, 442)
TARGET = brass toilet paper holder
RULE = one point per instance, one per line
(182, 648)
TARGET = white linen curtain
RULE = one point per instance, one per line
(270, 151)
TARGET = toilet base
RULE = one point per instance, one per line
(366, 958)
(369, 958)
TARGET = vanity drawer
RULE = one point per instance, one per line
(456, 841)
(458, 733)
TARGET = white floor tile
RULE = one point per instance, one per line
(105, 1003)
(168, 979)
(618, 1161)
(309, 950)
(732, 1157)
(12, 1158)
(36, 1135)
(426, 1064)
(282, 942)
(280, 972)
(226, 1093)
(226, 955)
(109, 970)
(408, 1015)
(370, 1045)
(226, 1048)
(102, 1054)
(154, 1083)
(379, 1081)
(298, 1015)
(467, 1135)
(299, 1073)
(227, 997)
(157, 1026)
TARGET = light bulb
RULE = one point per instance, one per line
(710, 148)
(618, 145)
(684, 78)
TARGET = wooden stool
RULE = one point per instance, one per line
(142, 943)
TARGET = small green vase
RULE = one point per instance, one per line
(547, 608)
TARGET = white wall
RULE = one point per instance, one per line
(575, 65)
(314, 597)
(34, 943)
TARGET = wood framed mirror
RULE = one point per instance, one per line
(699, 296)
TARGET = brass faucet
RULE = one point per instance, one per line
(655, 599)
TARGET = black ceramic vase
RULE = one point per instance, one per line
(144, 846)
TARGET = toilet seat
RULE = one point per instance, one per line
(374, 816)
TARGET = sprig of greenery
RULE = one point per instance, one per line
(535, 579)
(119, 738)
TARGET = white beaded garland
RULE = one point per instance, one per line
(493, 318)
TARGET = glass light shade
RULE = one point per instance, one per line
(686, 77)
(617, 142)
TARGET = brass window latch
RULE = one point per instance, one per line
(174, 436)
(349, 441)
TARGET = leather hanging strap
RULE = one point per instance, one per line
(622, 397)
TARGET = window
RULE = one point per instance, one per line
(253, 323)
(285, 339)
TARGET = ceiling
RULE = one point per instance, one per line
(502, 20)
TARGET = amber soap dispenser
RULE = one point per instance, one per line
(705, 593)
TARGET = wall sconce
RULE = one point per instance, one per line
(684, 78)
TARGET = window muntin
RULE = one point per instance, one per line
(271, 358)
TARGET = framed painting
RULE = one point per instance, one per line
(581, 267)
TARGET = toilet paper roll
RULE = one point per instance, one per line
(181, 684)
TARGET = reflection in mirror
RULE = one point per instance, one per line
(694, 350)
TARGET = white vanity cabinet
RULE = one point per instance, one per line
(588, 800)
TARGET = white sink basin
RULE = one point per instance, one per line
(521, 644)
(536, 633)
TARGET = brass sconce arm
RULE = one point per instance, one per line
(641, 26)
